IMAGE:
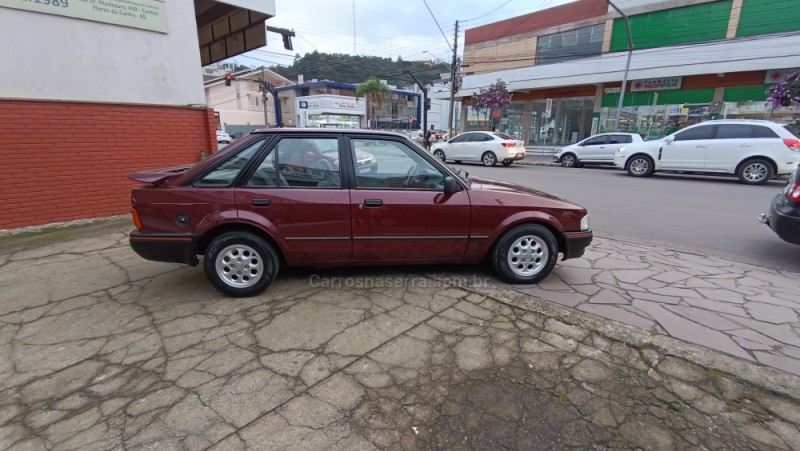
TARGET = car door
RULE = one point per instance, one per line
(615, 142)
(730, 143)
(592, 148)
(296, 193)
(456, 148)
(688, 149)
(400, 211)
(477, 145)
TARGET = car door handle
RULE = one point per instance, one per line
(260, 202)
(701, 146)
(373, 202)
(744, 145)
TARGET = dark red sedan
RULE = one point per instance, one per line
(269, 201)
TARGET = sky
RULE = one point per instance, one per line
(382, 27)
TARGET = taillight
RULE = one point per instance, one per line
(793, 193)
(136, 221)
(792, 144)
(511, 144)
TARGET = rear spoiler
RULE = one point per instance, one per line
(158, 176)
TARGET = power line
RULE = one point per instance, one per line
(479, 17)
(437, 24)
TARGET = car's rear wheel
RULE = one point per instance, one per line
(241, 264)
(489, 159)
(755, 172)
(525, 254)
(569, 161)
(639, 166)
(438, 153)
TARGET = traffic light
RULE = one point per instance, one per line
(427, 104)
(228, 79)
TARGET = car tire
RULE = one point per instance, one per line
(569, 160)
(438, 153)
(233, 253)
(489, 159)
(755, 172)
(639, 166)
(525, 254)
(458, 161)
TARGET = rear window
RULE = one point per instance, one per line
(620, 139)
(763, 132)
(503, 136)
(791, 130)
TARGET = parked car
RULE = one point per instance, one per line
(784, 211)
(754, 150)
(597, 149)
(223, 137)
(248, 213)
(485, 147)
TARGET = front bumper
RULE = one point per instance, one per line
(784, 219)
(165, 247)
(575, 243)
(556, 158)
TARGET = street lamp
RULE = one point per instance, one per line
(436, 59)
(627, 64)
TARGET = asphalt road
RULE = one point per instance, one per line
(707, 215)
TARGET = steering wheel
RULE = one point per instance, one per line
(411, 176)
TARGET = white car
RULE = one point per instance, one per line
(485, 147)
(223, 137)
(754, 150)
(597, 149)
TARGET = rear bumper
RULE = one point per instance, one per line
(515, 156)
(575, 243)
(165, 247)
(784, 219)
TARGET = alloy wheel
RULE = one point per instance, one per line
(527, 255)
(239, 266)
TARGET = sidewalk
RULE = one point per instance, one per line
(630, 347)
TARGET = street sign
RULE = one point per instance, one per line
(410, 119)
(548, 107)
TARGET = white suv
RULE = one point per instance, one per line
(755, 151)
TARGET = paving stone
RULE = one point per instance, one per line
(570, 299)
(788, 364)
(576, 276)
(717, 306)
(703, 317)
(607, 296)
(687, 330)
(774, 299)
(632, 275)
(565, 344)
(782, 333)
(751, 335)
(618, 314)
(671, 276)
(657, 298)
(751, 345)
(676, 292)
(591, 371)
(566, 330)
(764, 436)
(771, 313)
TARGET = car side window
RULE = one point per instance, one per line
(763, 132)
(308, 162)
(475, 138)
(226, 172)
(734, 131)
(386, 164)
(595, 141)
(460, 138)
(266, 174)
(620, 139)
(692, 134)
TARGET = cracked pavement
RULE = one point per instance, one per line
(103, 350)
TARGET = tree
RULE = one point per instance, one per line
(786, 92)
(494, 98)
(375, 91)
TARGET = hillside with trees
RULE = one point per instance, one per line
(358, 69)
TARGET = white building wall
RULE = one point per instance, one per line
(48, 57)
(236, 117)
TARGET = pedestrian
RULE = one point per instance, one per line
(494, 129)
(426, 140)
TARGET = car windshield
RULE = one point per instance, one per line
(503, 136)
(790, 130)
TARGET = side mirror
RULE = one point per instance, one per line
(669, 139)
(451, 185)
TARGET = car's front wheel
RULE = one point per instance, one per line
(755, 172)
(438, 153)
(489, 159)
(639, 166)
(569, 161)
(241, 264)
(525, 254)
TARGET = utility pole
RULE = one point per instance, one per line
(424, 101)
(264, 97)
(627, 64)
(453, 71)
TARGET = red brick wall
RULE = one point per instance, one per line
(62, 161)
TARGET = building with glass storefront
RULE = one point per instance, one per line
(692, 60)
(330, 104)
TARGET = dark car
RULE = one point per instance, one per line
(257, 206)
(784, 212)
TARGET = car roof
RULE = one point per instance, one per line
(267, 131)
